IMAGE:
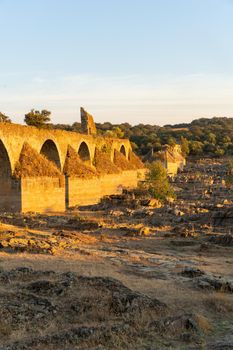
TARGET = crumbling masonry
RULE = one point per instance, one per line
(172, 159)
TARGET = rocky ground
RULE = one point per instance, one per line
(127, 273)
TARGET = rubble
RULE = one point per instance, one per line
(33, 304)
(210, 282)
(32, 220)
(224, 217)
(184, 326)
(191, 272)
(226, 240)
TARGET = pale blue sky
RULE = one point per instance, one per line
(141, 61)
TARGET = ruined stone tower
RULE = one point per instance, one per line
(87, 122)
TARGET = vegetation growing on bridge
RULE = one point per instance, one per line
(135, 161)
(37, 118)
(103, 164)
(121, 162)
(74, 166)
(33, 164)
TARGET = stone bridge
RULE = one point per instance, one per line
(52, 143)
(42, 194)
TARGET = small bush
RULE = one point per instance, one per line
(157, 182)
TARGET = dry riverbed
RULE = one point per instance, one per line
(120, 275)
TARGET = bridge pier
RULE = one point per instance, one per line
(90, 191)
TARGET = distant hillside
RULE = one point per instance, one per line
(202, 136)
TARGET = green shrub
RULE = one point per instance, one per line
(157, 181)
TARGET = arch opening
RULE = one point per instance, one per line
(50, 151)
(9, 190)
(84, 152)
(5, 165)
(123, 150)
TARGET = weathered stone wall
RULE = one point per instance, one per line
(10, 195)
(172, 168)
(43, 194)
(90, 191)
(172, 159)
(46, 194)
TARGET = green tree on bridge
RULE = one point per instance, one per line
(37, 118)
(115, 132)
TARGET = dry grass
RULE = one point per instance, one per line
(74, 166)
(5, 328)
(82, 303)
(103, 163)
(219, 303)
(33, 164)
(135, 161)
(121, 162)
(203, 323)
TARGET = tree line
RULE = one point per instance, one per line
(204, 136)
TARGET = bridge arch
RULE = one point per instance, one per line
(123, 150)
(84, 152)
(49, 150)
(5, 164)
